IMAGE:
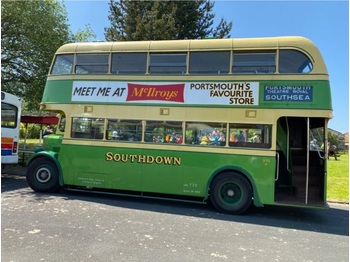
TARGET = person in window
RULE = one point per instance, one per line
(213, 139)
(241, 137)
(222, 137)
(48, 130)
(172, 138)
(115, 135)
(179, 139)
(313, 144)
(216, 132)
(232, 137)
(205, 140)
(256, 138)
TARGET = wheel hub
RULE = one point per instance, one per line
(230, 193)
(43, 175)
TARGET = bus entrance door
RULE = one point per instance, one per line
(301, 172)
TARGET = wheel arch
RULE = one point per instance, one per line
(50, 156)
(241, 171)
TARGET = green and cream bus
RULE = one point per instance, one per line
(230, 121)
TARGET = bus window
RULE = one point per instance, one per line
(168, 64)
(249, 135)
(8, 115)
(92, 64)
(212, 134)
(209, 62)
(163, 132)
(124, 130)
(63, 65)
(316, 139)
(292, 61)
(129, 63)
(254, 63)
(62, 124)
(87, 128)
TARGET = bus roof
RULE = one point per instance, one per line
(240, 44)
(194, 45)
(10, 98)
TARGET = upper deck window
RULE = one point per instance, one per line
(254, 63)
(92, 64)
(172, 64)
(129, 63)
(63, 65)
(292, 61)
(210, 62)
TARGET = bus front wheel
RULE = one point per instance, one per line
(231, 193)
(42, 175)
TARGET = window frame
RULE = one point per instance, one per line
(87, 66)
(167, 64)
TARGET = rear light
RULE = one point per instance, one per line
(15, 147)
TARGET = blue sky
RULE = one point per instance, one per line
(326, 23)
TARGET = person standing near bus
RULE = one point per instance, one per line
(48, 130)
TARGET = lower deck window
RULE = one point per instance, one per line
(202, 133)
(212, 134)
(163, 132)
(124, 130)
(87, 128)
(249, 135)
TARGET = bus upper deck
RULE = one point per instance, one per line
(280, 72)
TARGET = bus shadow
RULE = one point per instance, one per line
(10, 182)
(334, 220)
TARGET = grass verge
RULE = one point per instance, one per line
(338, 179)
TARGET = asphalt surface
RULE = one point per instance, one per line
(70, 226)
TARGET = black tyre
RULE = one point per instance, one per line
(231, 193)
(42, 175)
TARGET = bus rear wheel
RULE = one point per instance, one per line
(231, 193)
(42, 175)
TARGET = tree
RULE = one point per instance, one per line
(82, 35)
(157, 20)
(333, 139)
(31, 32)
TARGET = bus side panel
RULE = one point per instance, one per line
(99, 167)
(161, 171)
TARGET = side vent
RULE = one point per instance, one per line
(88, 109)
(250, 113)
(164, 111)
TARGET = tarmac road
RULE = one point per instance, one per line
(88, 227)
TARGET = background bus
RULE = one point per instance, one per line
(225, 120)
(10, 126)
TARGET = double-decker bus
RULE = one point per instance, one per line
(229, 121)
(11, 106)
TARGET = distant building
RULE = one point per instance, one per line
(341, 139)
